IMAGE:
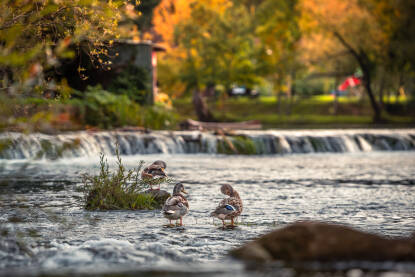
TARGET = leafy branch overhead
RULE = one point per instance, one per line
(35, 35)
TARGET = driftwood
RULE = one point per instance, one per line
(190, 124)
(133, 129)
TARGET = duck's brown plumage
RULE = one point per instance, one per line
(177, 205)
(234, 200)
(154, 170)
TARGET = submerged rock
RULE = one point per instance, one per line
(317, 241)
(159, 195)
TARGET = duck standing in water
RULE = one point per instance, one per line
(176, 206)
(228, 208)
(152, 171)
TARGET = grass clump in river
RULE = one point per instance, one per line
(120, 190)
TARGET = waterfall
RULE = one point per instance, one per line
(85, 143)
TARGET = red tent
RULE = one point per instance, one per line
(349, 82)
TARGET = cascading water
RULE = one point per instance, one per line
(80, 144)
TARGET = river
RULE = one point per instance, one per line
(44, 229)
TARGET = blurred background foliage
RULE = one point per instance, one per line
(290, 52)
(290, 49)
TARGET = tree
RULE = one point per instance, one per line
(278, 30)
(396, 21)
(212, 45)
(167, 15)
(143, 20)
(34, 35)
(351, 27)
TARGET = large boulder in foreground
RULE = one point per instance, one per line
(316, 241)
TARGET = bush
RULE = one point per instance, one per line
(104, 109)
(123, 189)
(158, 117)
(133, 82)
(34, 114)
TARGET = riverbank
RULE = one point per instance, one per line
(315, 112)
(103, 111)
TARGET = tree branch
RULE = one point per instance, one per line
(360, 56)
(347, 45)
(15, 20)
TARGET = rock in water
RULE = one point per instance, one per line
(317, 241)
(159, 195)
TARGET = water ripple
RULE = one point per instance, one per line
(44, 228)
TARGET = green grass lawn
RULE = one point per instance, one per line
(312, 112)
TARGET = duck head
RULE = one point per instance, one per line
(160, 163)
(158, 169)
(179, 189)
(227, 189)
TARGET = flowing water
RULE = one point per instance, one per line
(82, 144)
(44, 229)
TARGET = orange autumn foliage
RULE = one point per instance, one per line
(169, 13)
(321, 19)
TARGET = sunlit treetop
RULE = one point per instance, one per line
(169, 13)
(348, 19)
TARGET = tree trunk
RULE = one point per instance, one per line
(400, 85)
(201, 108)
(373, 103)
(336, 92)
(290, 105)
(335, 103)
(209, 91)
(289, 95)
(381, 89)
(365, 64)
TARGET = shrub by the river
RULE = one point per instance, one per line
(105, 109)
(119, 190)
(98, 107)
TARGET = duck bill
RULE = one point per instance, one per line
(185, 192)
(163, 173)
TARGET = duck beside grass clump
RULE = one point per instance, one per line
(228, 208)
(176, 206)
(123, 189)
(153, 172)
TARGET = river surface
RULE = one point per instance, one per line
(44, 229)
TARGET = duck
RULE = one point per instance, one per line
(176, 206)
(230, 207)
(154, 170)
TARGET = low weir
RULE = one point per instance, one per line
(85, 143)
